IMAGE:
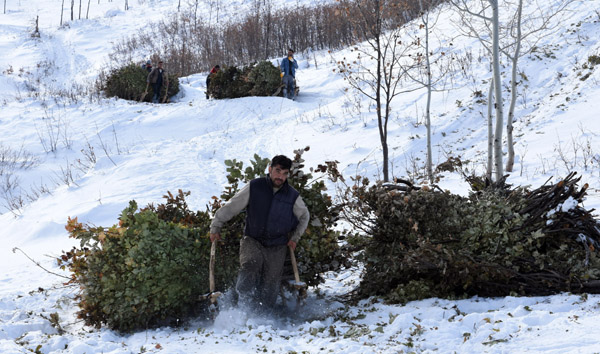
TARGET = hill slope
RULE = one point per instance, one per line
(89, 157)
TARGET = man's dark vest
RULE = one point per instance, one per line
(159, 79)
(270, 217)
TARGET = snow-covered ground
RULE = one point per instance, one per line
(143, 150)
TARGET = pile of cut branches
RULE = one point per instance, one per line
(498, 241)
(149, 268)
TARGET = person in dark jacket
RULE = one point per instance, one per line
(288, 73)
(276, 218)
(158, 77)
(213, 71)
(147, 66)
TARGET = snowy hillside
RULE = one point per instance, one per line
(86, 156)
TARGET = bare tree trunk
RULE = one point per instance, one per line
(87, 14)
(382, 118)
(127, 5)
(196, 16)
(499, 166)
(424, 72)
(490, 124)
(381, 84)
(80, 9)
(62, 9)
(524, 41)
(72, 10)
(268, 28)
(510, 161)
(4, 6)
(428, 85)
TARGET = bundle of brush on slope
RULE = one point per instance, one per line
(499, 241)
(260, 79)
(129, 83)
(149, 269)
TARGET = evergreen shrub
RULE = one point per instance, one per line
(129, 83)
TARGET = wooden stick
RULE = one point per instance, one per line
(294, 265)
(166, 93)
(145, 93)
(211, 268)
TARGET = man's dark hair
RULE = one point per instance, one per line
(283, 161)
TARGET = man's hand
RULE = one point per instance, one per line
(215, 237)
(292, 244)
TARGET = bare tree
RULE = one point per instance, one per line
(522, 37)
(424, 63)
(381, 84)
(5, 7)
(267, 24)
(214, 5)
(513, 41)
(62, 9)
(196, 15)
(72, 10)
(492, 24)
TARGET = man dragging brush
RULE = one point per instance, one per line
(276, 218)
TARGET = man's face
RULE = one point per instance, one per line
(278, 175)
(290, 53)
(160, 64)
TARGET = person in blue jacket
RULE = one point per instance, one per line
(288, 73)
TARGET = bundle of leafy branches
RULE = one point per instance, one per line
(261, 79)
(149, 269)
(129, 83)
(498, 241)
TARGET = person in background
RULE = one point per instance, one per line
(213, 71)
(276, 218)
(147, 66)
(288, 74)
(157, 77)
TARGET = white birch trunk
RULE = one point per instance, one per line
(510, 160)
(490, 124)
(499, 166)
